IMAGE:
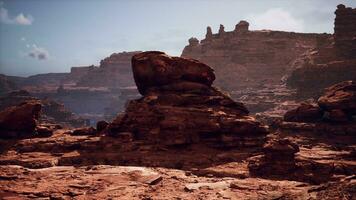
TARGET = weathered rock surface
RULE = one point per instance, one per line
(338, 104)
(334, 62)
(180, 107)
(278, 158)
(245, 59)
(156, 69)
(69, 166)
(21, 120)
(304, 113)
(345, 31)
(340, 96)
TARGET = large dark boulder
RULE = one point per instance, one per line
(20, 120)
(156, 69)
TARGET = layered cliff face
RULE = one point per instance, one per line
(333, 63)
(244, 58)
(114, 71)
(345, 32)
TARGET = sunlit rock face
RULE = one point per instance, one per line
(331, 63)
(180, 106)
(243, 58)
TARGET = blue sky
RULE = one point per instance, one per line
(41, 36)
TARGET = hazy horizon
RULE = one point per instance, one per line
(39, 36)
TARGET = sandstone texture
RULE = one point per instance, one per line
(180, 107)
(97, 166)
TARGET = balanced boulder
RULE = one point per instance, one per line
(155, 69)
(180, 106)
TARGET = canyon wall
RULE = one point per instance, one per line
(328, 64)
(114, 72)
(92, 92)
(242, 58)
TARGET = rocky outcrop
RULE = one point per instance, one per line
(304, 113)
(179, 106)
(52, 111)
(278, 158)
(243, 58)
(345, 32)
(21, 120)
(341, 96)
(153, 70)
(333, 62)
(338, 104)
(334, 114)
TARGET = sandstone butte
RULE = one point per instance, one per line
(183, 139)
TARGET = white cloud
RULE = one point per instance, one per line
(23, 39)
(275, 19)
(38, 53)
(20, 19)
(23, 20)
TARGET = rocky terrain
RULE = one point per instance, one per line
(183, 139)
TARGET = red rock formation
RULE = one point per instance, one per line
(345, 32)
(278, 158)
(244, 58)
(338, 104)
(19, 120)
(340, 96)
(332, 63)
(180, 107)
(156, 69)
(334, 114)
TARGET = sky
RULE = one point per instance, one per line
(42, 36)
